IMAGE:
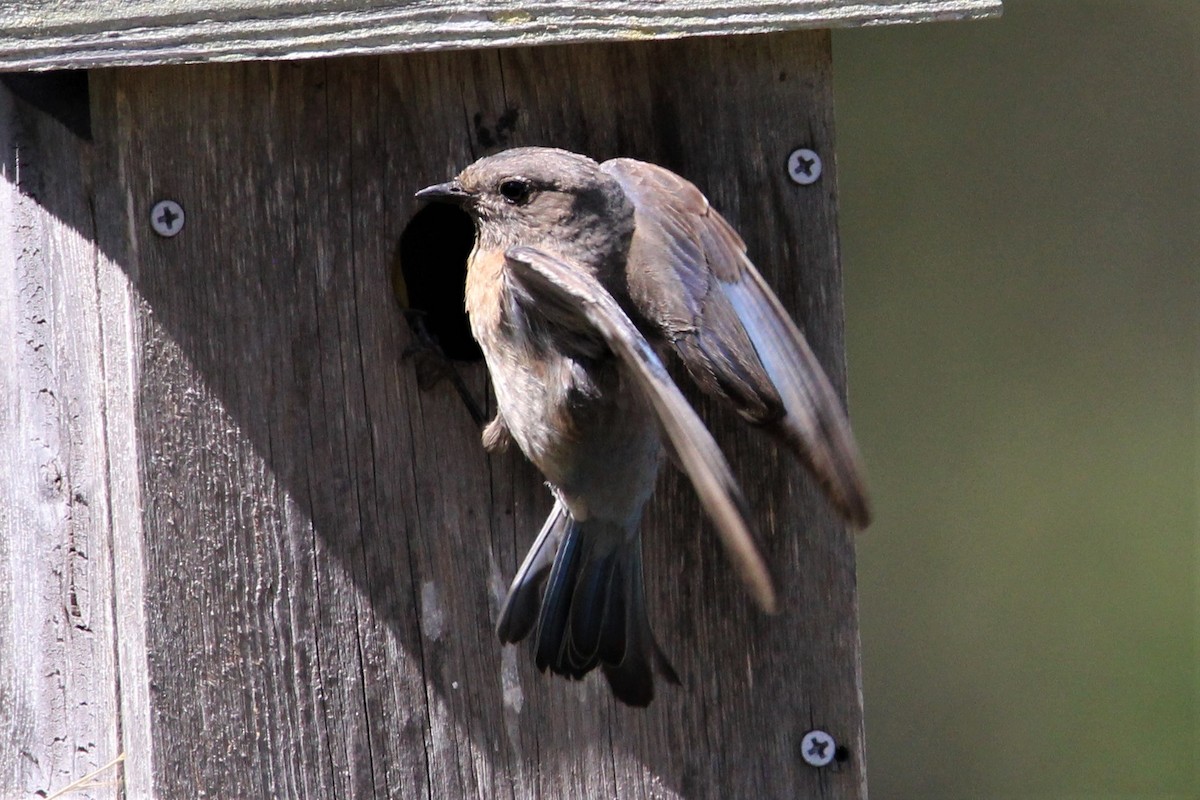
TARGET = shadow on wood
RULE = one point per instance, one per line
(320, 548)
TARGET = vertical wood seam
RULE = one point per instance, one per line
(106, 445)
(427, 727)
(357, 340)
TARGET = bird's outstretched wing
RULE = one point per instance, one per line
(574, 300)
(691, 283)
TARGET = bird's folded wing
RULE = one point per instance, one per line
(572, 299)
(690, 281)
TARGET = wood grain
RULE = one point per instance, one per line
(57, 34)
(65, 475)
(307, 552)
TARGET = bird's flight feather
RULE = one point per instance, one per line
(729, 329)
(571, 298)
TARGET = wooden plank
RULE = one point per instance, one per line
(65, 478)
(58, 34)
(314, 550)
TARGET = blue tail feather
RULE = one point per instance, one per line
(592, 612)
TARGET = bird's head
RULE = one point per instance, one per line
(536, 196)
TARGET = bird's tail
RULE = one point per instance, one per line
(592, 612)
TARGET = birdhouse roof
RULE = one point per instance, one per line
(57, 34)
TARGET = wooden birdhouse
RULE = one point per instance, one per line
(251, 544)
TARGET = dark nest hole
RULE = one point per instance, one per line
(430, 277)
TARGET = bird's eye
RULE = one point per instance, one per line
(515, 190)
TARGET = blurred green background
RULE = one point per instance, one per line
(1021, 243)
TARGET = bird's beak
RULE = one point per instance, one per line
(448, 192)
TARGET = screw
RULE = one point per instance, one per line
(166, 218)
(817, 748)
(804, 166)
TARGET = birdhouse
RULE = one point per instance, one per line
(252, 545)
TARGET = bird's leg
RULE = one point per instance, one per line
(496, 435)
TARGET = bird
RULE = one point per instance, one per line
(585, 280)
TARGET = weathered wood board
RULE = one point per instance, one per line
(61, 511)
(53, 34)
(292, 557)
